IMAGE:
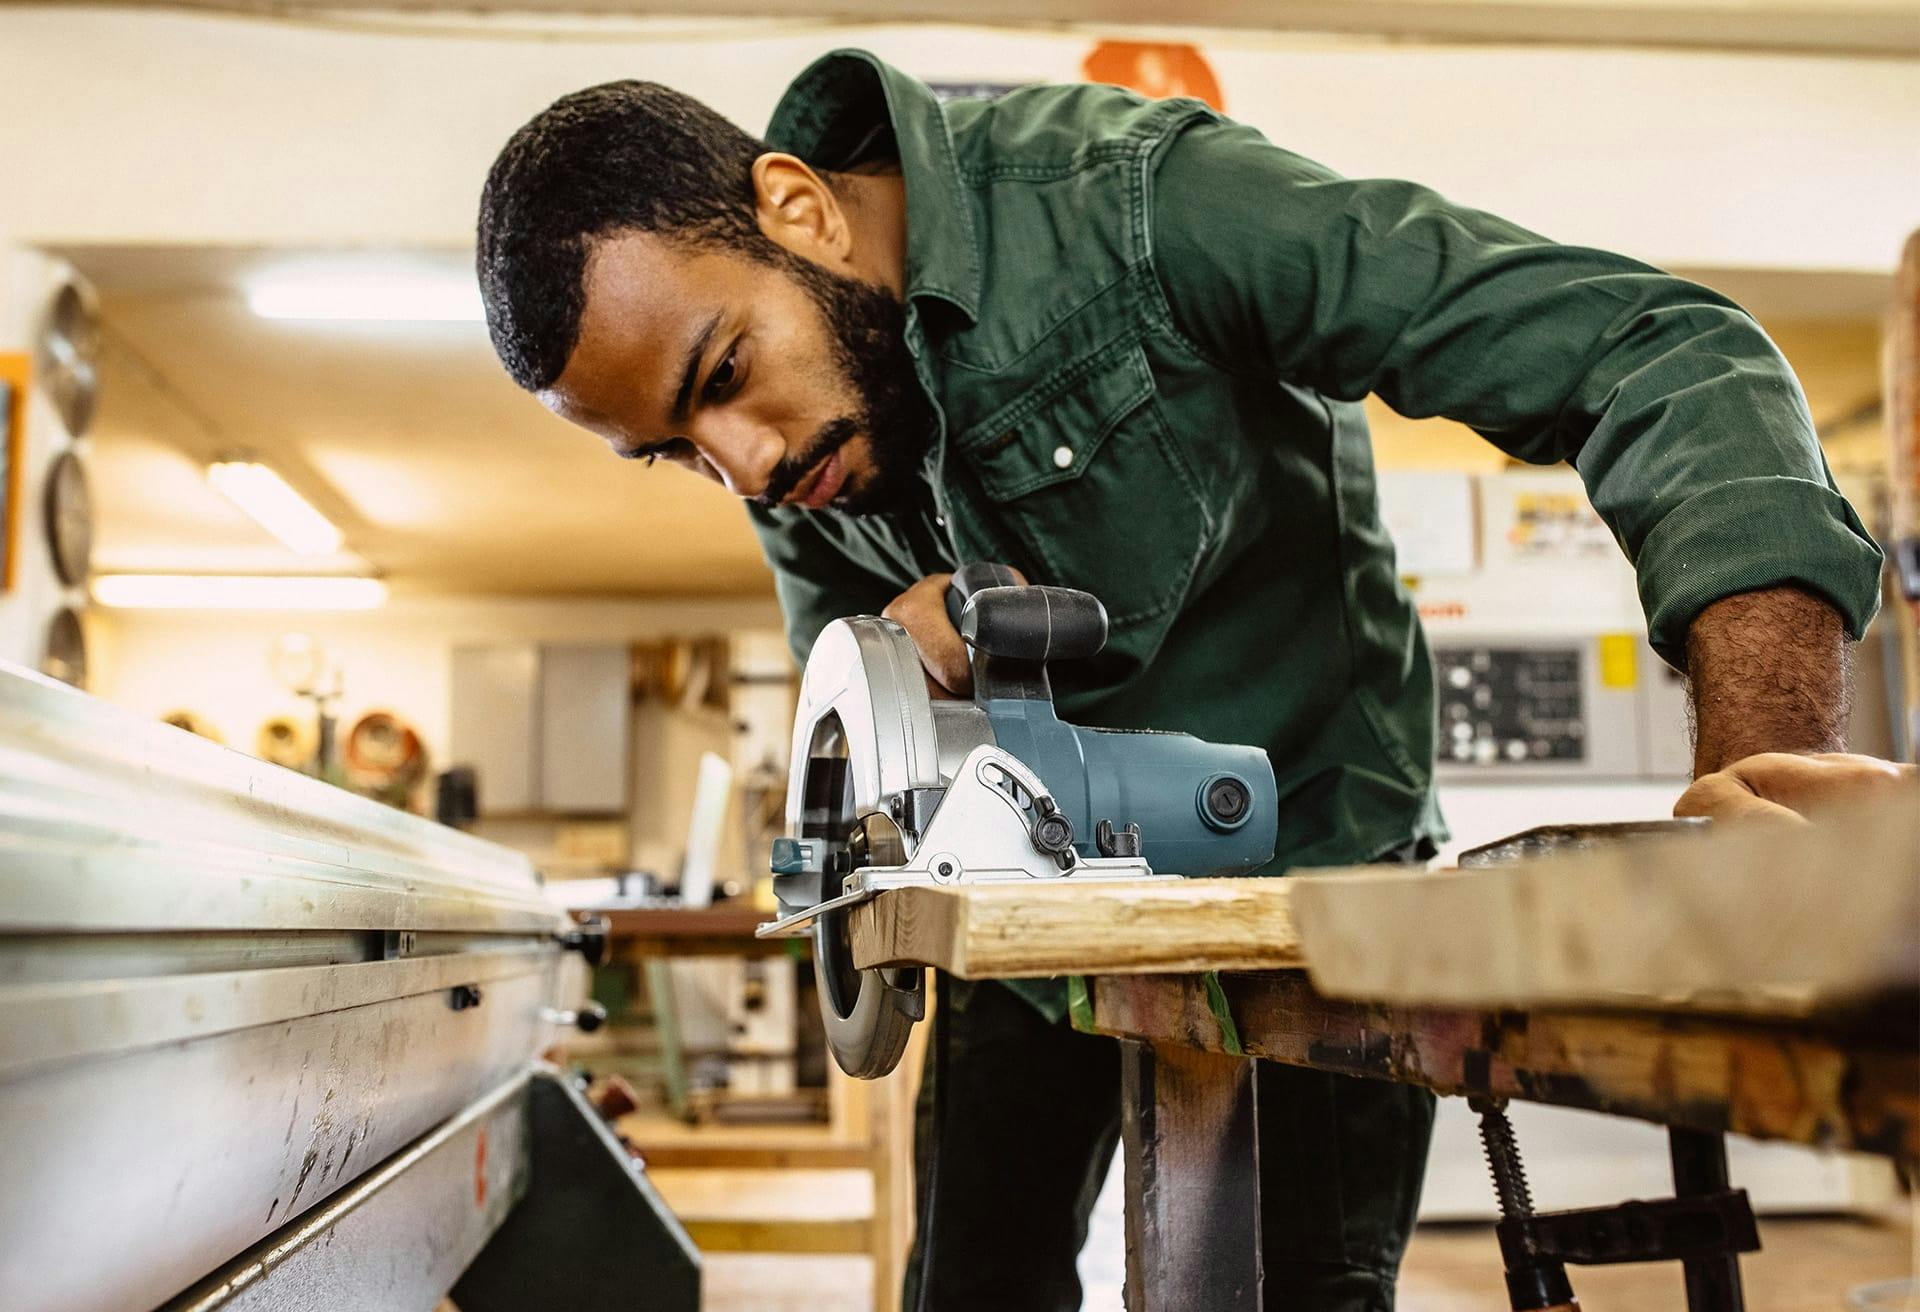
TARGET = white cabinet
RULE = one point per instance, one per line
(492, 732)
(585, 717)
(545, 728)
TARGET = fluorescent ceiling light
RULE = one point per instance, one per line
(275, 506)
(406, 295)
(237, 592)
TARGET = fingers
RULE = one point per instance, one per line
(922, 611)
(1783, 786)
(1723, 797)
(1808, 783)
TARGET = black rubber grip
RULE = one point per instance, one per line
(1034, 623)
(969, 579)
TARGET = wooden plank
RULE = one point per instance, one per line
(1754, 919)
(770, 1211)
(1771, 1081)
(765, 1195)
(1902, 392)
(751, 1156)
(791, 1235)
(1032, 930)
(1192, 1185)
(722, 920)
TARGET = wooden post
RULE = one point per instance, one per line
(1193, 1187)
(890, 1102)
(1903, 430)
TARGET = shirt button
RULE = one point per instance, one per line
(1062, 457)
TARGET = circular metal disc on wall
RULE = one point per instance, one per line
(69, 512)
(383, 751)
(284, 740)
(69, 347)
(194, 723)
(66, 654)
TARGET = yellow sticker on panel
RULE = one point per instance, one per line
(1619, 660)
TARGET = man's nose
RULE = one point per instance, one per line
(744, 455)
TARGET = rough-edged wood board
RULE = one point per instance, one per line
(1032, 930)
(1796, 1082)
(1757, 920)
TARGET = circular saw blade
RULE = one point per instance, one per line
(867, 1014)
(864, 735)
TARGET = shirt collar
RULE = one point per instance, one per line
(830, 115)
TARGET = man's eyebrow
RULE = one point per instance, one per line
(695, 351)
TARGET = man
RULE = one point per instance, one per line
(1120, 345)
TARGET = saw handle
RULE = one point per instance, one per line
(969, 579)
(1013, 629)
(1034, 623)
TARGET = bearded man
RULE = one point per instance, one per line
(1121, 344)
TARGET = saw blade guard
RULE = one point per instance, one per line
(863, 734)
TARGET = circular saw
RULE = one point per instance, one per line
(890, 788)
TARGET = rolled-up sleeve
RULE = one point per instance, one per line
(1684, 421)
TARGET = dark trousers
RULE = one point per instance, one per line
(1029, 1116)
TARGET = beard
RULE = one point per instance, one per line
(867, 329)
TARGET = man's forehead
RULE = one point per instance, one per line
(644, 301)
(637, 286)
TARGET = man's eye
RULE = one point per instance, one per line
(720, 381)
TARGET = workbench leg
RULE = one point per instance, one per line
(1700, 1167)
(890, 1102)
(666, 1028)
(1193, 1180)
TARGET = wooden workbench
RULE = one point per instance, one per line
(1762, 981)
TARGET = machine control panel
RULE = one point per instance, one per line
(1597, 706)
(1510, 705)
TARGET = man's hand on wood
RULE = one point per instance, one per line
(1785, 788)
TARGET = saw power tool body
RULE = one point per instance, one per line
(891, 788)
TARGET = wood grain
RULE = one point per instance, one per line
(1033, 930)
(1793, 1082)
(1192, 1199)
(1756, 920)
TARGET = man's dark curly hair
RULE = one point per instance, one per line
(620, 157)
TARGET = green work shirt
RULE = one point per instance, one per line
(1147, 332)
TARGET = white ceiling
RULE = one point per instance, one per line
(1871, 27)
(443, 475)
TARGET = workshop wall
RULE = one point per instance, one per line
(217, 665)
(31, 437)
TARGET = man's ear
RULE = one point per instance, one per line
(797, 210)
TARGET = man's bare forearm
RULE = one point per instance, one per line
(1769, 673)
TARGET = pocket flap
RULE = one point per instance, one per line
(1048, 435)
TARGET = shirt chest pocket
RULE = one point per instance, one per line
(1083, 474)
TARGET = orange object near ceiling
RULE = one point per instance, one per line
(1158, 69)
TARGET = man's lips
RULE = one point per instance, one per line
(822, 485)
